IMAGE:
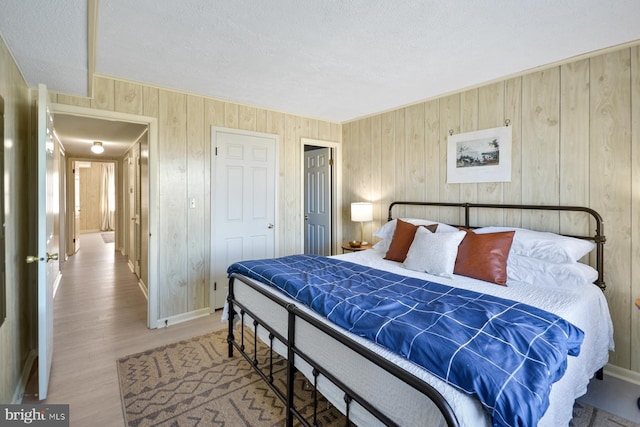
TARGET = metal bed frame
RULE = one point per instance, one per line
(296, 317)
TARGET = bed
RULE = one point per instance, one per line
(373, 384)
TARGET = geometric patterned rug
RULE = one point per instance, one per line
(587, 416)
(195, 383)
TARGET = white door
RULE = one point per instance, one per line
(317, 201)
(47, 257)
(243, 205)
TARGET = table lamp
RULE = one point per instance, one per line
(361, 212)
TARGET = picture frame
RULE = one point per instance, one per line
(479, 156)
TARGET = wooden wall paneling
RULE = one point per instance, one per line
(128, 97)
(512, 191)
(324, 131)
(336, 132)
(574, 145)
(361, 170)
(635, 205)
(450, 119)
(350, 166)
(172, 166)
(415, 160)
(364, 173)
(247, 118)
(16, 331)
(103, 94)
(541, 152)
(387, 164)
(214, 113)
(610, 185)
(198, 241)
(231, 115)
(261, 120)
(432, 155)
(469, 123)
(401, 162)
(491, 115)
(379, 214)
(73, 100)
(363, 162)
(150, 102)
(288, 199)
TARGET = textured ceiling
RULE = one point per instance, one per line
(333, 59)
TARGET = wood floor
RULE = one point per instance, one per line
(100, 315)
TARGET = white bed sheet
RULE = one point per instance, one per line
(584, 306)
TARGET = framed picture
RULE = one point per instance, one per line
(479, 156)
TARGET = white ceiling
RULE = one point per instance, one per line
(335, 60)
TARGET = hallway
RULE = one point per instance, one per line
(99, 316)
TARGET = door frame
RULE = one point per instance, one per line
(336, 194)
(154, 194)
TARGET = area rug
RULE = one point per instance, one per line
(193, 382)
(107, 237)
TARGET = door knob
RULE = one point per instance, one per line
(270, 226)
(31, 259)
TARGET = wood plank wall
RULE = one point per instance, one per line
(185, 121)
(576, 141)
(16, 332)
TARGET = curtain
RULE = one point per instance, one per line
(107, 197)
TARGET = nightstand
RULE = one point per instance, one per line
(347, 247)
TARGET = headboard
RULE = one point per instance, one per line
(598, 237)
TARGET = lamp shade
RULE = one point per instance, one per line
(361, 212)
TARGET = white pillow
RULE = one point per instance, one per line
(544, 245)
(550, 274)
(386, 231)
(434, 253)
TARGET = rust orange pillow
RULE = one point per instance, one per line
(402, 239)
(484, 256)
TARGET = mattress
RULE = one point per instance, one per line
(583, 305)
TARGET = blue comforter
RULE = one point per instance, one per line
(506, 353)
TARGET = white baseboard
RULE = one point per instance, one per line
(18, 394)
(172, 320)
(622, 374)
(144, 289)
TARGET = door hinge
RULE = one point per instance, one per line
(216, 151)
(74, 240)
(330, 162)
(215, 286)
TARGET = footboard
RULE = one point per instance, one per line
(329, 360)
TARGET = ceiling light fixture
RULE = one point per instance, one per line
(97, 147)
